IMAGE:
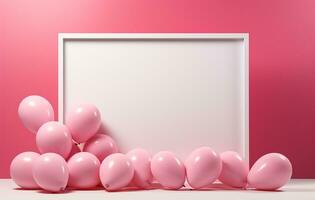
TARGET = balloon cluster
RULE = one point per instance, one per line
(62, 163)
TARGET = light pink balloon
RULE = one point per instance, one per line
(168, 170)
(101, 146)
(234, 170)
(83, 171)
(74, 149)
(270, 172)
(203, 167)
(54, 137)
(141, 161)
(116, 172)
(21, 170)
(83, 122)
(34, 111)
(51, 172)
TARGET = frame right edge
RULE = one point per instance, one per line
(246, 94)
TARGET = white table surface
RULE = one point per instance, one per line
(296, 189)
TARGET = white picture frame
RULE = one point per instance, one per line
(227, 52)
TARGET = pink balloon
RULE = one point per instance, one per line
(83, 122)
(83, 170)
(21, 170)
(234, 170)
(34, 111)
(74, 149)
(203, 167)
(270, 172)
(101, 146)
(168, 170)
(51, 172)
(141, 161)
(116, 172)
(54, 137)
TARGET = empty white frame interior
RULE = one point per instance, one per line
(160, 91)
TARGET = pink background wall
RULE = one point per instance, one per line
(282, 60)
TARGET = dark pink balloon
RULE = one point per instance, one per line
(101, 146)
(21, 170)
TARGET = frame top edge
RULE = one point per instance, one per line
(153, 35)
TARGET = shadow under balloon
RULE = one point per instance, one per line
(157, 186)
(25, 189)
(154, 186)
(66, 191)
(214, 187)
(264, 191)
(97, 188)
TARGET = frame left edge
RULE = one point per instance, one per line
(60, 77)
